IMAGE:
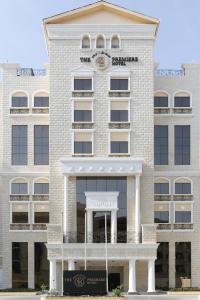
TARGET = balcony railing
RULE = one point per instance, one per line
(183, 226)
(25, 226)
(31, 72)
(40, 197)
(169, 73)
(19, 197)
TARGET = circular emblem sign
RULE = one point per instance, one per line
(101, 61)
(79, 280)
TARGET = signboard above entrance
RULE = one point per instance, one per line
(101, 201)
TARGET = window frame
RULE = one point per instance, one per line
(34, 154)
(104, 39)
(183, 180)
(118, 36)
(109, 142)
(168, 99)
(92, 110)
(119, 77)
(37, 180)
(33, 99)
(33, 213)
(175, 145)
(119, 100)
(19, 178)
(192, 213)
(73, 141)
(167, 163)
(169, 210)
(11, 213)
(27, 144)
(157, 180)
(81, 42)
(19, 107)
(189, 94)
(82, 77)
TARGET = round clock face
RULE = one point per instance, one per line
(101, 62)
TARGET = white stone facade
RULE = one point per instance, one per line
(135, 259)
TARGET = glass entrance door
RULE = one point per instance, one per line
(99, 226)
(113, 281)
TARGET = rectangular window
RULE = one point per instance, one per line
(182, 101)
(41, 144)
(182, 145)
(161, 217)
(119, 147)
(19, 217)
(41, 101)
(161, 188)
(183, 217)
(160, 101)
(19, 265)
(183, 188)
(183, 261)
(41, 217)
(119, 115)
(83, 147)
(160, 145)
(82, 84)
(19, 189)
(19, 145)
(83, 143)
(82, 116)
(19, 101)
(119, 84)
(41, 188)
(119, 142)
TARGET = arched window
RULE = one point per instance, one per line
(41, 186)
(41, 99)
(19, 186)
(183, 186)
(100, 42)
(182, 99)
(19, 99)
(115, 42)
(86, 42)
(161, 186)
(161, 99)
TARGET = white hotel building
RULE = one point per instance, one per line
(100, 130)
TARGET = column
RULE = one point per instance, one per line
(113, 226)
(71, 265)
(137, 209)
(65, 210)
(31, 265)
(52, 279)
(132, 277)
(151, 276)
(89, 226)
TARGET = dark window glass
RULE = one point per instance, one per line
(83, 147)
(86, 42)
(183, 188)
(41, 265)
(160, 101)
(19, 188)
(119, 147)
(20, 217)
(119, 115)
(41, 217)
(19, 145)
(41, 188)
(82, 116)
(83, 84)
(161, 188)
(103, 184)
(41, 144)
(162, 266)
(115, 42)
(19, 101)
(119, 84)
(182, 101)
(182, 145)
(160, 145)
(41, 101)
(100, 42)
(183, 217)
(183, 261)
(19, 265)
(161, 217)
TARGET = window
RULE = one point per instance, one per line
(41, 188)
(182, 99)
(161, 217)
(119, 143)
(100, 43)
(161, 188)
(119, 111)
(41, 265)
(20, 213)
(183, 188)
(41, 144)
(82, 84)
(82, 111)
(19, 188)
(119, 84)
(183, 261)
(83, 143)
(86, 42)
(19, 99)
(41, 99)
(115, 42)
(183, 217)
(19, 265)
(19, 145)
(182, 145)
(160, 145)
(41, 213)
(161, 99)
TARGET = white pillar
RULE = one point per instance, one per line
(89, 226)
(151, 276)
(132, 277)
(65, 210)
(113, 226)
(137, 209)
(52, 273)
(71, 265)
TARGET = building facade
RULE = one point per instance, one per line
(100, 131)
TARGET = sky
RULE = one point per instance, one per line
(22, 38)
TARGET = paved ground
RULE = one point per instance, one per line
(19, 297)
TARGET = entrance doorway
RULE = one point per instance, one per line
(99, 226)
(113, 281)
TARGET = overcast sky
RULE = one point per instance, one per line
(22, 39)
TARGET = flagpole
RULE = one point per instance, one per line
(106, 245)
(62, 255)
(85, 241)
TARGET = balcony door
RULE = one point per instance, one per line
(99, 226)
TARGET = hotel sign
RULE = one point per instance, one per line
(102, 59)
(77, 283)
